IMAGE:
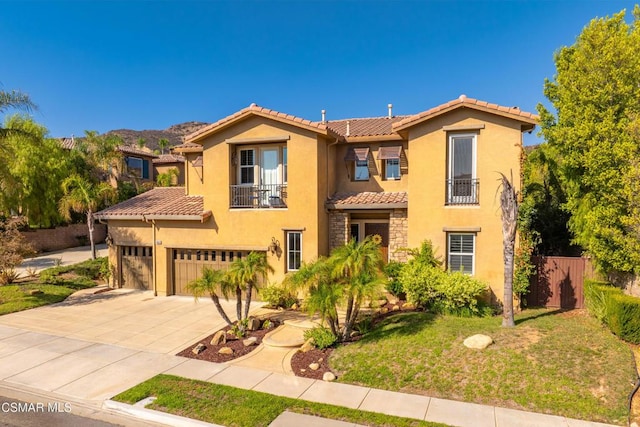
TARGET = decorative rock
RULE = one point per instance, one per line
(198, 349)
(378, 303)
(250, 341)
(308, 345)
(225, 350)
(354, 334)
(393, 301)
(294, 306)
(35, 292)
(395, 308)
(314, 366)
(219, 337)
(384, 310)
(254, 324)
(328, 376)
(408, 306)
(303, 370)
(478, 341)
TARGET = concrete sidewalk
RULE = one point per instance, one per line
(63, 257)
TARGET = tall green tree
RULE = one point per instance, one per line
(13, 100)
(163, 143)
(33, 172)
(213, 282)
(596, 97)
(85, 197)
(247, 274)
(100, 154)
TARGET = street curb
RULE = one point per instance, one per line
(154, 416)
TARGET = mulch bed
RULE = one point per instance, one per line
(210, 354)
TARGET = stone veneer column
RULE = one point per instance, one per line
(338, 229)
(398, 226)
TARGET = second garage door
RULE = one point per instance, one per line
(188, 264)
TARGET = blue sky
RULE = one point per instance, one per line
(148, 65)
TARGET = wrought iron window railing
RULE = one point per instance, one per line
(259, 196)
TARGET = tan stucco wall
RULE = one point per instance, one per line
(344, 169)
(498, 150)
(164, 168)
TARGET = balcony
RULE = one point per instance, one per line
(462, 191)
(259, 196)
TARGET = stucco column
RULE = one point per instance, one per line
(398, 226)
(338, 229)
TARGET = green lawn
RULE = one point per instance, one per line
(551, 362)
(55, 283)
(232, 406)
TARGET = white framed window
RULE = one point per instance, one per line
(247, 166)
(392, 169)
(462, 182)
(361, 172)
(294, 250)
(461, 252)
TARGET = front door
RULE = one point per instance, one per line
(381, 229)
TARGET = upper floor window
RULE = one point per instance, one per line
(390, 157)
(462, 183)
(360, 159)
(284, 165)
(247, 166)
(461, 253)
(137, 166)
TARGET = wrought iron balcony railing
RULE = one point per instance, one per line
(259, 196)
(462, 191)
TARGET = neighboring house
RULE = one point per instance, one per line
(165, 162)
(260, 180)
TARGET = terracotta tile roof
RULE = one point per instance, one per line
(127, 149)
(265, 112)
(368, 199)
(463, 101)
(68, 143)
(168, 158)
(373, 126)
(188, 147)
(158, 203)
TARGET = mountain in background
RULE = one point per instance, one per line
(174, 134)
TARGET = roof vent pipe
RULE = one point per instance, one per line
(348, 128)
(390, 107)
(324, 116)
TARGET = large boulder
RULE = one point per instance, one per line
(328, 376)
(219, 337)
(225, 350)
(254, 324)
(478, 341)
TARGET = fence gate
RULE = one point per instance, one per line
(559, 282)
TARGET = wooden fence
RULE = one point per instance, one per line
(559, 282)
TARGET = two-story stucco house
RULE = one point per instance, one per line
(260, 180)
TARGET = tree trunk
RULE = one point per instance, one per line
(247, 301)
(239, 303)
(509, 207)
(507, 316)
(216, 302)
(90, 225)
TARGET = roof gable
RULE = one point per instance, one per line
(529, 120)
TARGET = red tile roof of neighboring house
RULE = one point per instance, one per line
(463, 101)
(127, 149)
(368, 200)
(188, 147)
(68, 143)
(169, 203)
(373, 126)
(254, 109)
(168, 158)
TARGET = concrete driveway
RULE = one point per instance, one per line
(132, 319)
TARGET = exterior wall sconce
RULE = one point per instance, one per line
(274, 247)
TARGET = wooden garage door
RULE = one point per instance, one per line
(188, 264)
(136, 267)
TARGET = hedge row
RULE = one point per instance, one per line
(620, 312)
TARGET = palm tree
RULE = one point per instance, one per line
(247, 273)
(509, 208)
(358, 266)
(15, 100)
(324, 293)
(211, 282)
(163, 143)
(141, 143)
(82, 196)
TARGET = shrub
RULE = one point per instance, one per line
(623, 317)
(419, 282)
(458, 294)
(597, 297)
(277, 296)
(322, 337)
(393, 270)
(13, 247)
